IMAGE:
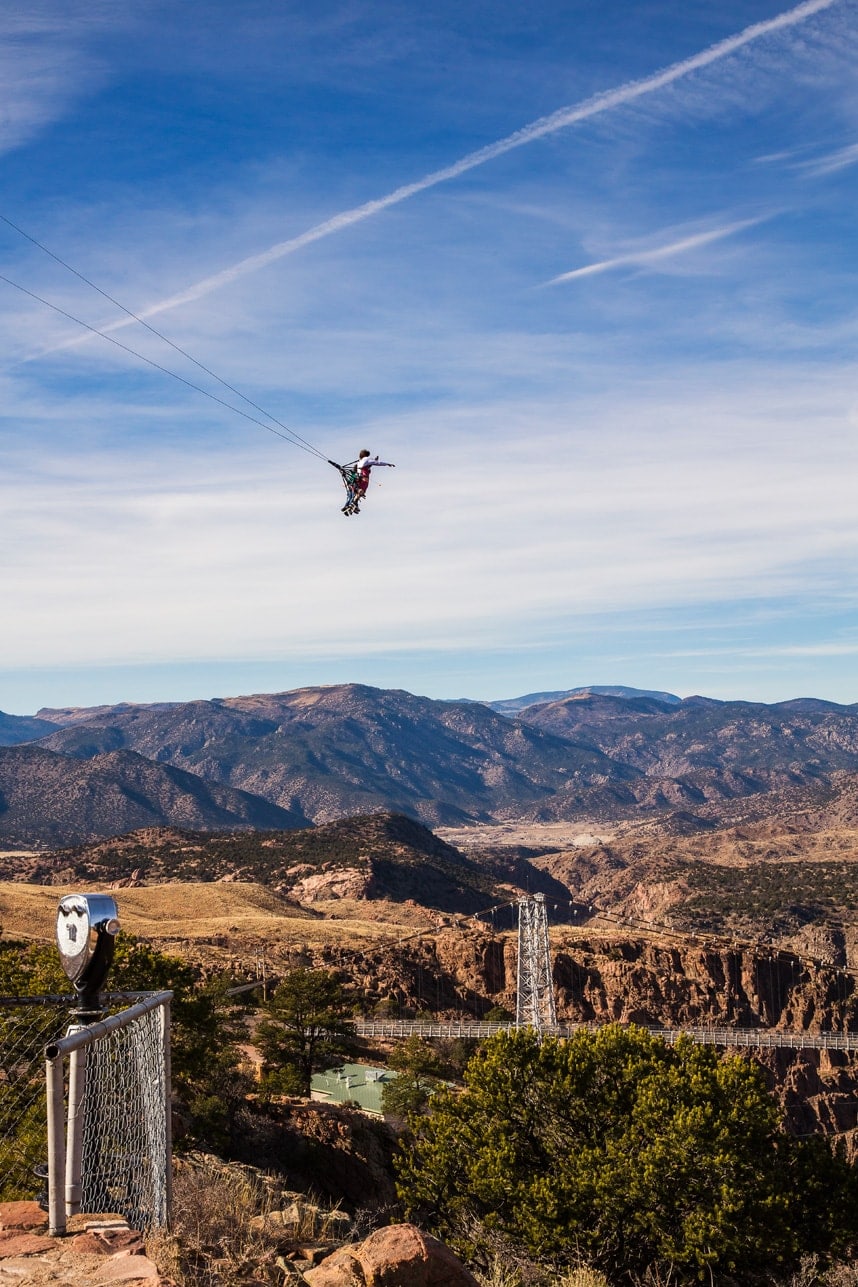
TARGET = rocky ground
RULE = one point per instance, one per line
(101, 1250)
(98, 1250)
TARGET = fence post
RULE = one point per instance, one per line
(56, 1146)
(74, 1137)
(168, 1110)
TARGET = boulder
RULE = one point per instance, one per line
(342, 1269)
(14, 1243)
(22, 1215)
(399, 1255)
(127, 1269)
(110, 1242)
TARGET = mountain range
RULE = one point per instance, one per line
(315, 755)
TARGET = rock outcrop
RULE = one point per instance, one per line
(396, 1256)
(601, 978)
(342, 1156)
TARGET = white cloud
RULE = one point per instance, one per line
(574, 510)
(37, 85)
(816, 650)
(46, 64)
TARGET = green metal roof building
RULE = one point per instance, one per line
(357, 1083)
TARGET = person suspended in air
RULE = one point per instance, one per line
(356, 478)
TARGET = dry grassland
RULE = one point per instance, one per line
(554, 835)
(749, 846)
(230, 916)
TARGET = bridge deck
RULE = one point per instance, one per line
(746, 1038)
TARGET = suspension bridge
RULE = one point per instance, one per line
(536, 1003)
(741, 1038)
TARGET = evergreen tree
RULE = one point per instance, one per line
(419, 1070)
(307, 1028)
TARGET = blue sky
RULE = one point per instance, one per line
(585, 272)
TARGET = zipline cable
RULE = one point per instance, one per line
(293, 437)
(158, 367)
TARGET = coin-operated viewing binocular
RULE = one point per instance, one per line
(87, 925)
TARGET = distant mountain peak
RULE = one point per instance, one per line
(16, 729)
(325, 753)
(61, 716)
(512, 705)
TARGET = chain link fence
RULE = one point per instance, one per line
(106, 1117)
(27, 1025)
(108, 1123)
(123, 1153)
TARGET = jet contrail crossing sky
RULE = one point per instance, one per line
(565, 116)
(640, 258)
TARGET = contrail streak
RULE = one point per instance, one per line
(559, 120)
(656, 253)
(831, 163)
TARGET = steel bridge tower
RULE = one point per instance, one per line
(534, 1005)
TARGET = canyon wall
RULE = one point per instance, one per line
(598, 979)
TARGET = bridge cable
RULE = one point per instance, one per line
(288, 435)
(158, 367)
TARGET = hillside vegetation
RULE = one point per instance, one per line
(374, 858)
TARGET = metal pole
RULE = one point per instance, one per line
(94, 1031)
(56, 1146)
(168, 1110)
(74, 1136)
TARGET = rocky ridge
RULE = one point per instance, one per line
(604, 753)
(378, 857)
(337, 751)
(50, 799)
(326, 753)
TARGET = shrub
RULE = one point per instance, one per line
(227, 1226)
(615, 1149)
